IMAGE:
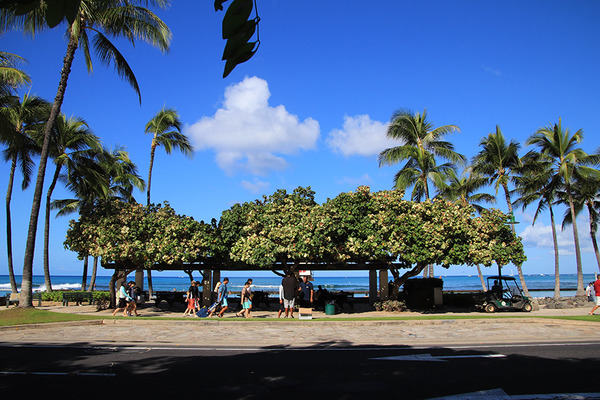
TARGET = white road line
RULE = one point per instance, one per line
(429, 357)
(38, 373)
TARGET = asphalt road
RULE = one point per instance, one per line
(337, 372)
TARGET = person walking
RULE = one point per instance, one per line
(246, 300)
(281, 307)
(132, 304)
(221, 298)
(290, 289)
(192, 299)
(124, 298)
(597, 293)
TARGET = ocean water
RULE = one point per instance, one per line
(538, 285)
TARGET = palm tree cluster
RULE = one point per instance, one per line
(32, 127)
(556, 171)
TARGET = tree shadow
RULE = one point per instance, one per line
(329, 369)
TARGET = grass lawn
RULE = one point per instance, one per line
(20, 316)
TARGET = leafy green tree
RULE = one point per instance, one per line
(274, 231)
(139, 236)
(464, 188)
(102, 19)
(165, 127)
(421, 143)
(568, 161)
(499, 161)
(23, 117)
(72, 146)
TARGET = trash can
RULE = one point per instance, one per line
(330, 309)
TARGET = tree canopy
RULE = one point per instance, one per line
(283, 230)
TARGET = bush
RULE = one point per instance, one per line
(390, 305)
(57, 296)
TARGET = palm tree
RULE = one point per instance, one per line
(22, 118)
(421, 143)
(499, 161)
(568, 160)
(11, 77)
(165, 127)
(464, 188)
(586, 193)
(70, 145)
(537, 182)
(112, 176)
(127, 19)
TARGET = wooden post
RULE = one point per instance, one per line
(206, 289)
(372, 286)
(139, 281)
(216, 277)
(383, 284)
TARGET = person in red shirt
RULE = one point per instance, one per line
(597, 290)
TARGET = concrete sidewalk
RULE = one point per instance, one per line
(321, 331)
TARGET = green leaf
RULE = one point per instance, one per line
(237, 41)
(236, 17)
(242, 55)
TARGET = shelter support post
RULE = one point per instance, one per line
(139, 280)
(383, 284)
(206, 288)
(372, 286)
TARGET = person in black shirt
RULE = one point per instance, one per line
(290, 289)
(306, 287)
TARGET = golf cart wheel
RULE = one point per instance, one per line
(527, 307)
(490, 308)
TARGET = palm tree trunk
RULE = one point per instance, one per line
(11, 271)
(556, 258)
(593, 229)
(47, 229)
(429, 269)
(25, 300)
(580, 289)
(84, 274)
(152, 151)
(519, 269)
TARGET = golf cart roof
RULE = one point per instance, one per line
(507, 278)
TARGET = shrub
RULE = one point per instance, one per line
(57, 296)
(390, 305)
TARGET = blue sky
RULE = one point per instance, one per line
(312, 106)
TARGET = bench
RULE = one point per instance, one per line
(13, 298)
(170, 297)
(77, 297)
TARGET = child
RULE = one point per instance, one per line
(191, 302)
(246, 300)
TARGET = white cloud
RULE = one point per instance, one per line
(491, 70)
(364, 180)
(247, 134)
(360, 136)
(256, 186)
(540, 235)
